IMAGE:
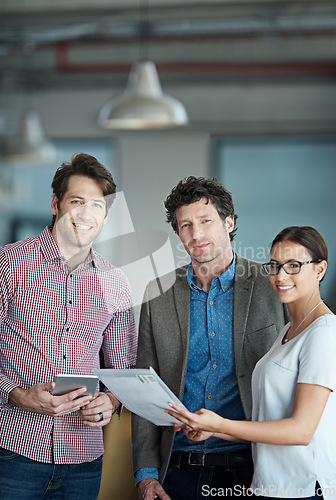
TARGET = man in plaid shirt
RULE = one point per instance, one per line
(60, 304)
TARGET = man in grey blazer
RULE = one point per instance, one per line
(203, 328)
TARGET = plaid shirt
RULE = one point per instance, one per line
(54, 320)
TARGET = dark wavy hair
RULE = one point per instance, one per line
(86, 166)
(192, 189)
(306, 236)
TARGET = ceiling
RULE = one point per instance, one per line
(78, 43)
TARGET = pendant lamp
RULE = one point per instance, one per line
(29, 144)
(143, 105)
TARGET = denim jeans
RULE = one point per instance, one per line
(25, 479)
(189, 482)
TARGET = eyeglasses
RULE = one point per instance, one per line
(290, 267)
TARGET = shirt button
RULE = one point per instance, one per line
(211, 302)
(224, 287)
(67, 329)
(206, 445)
(214, 366)
(213, 334)
(209, 397)
(70, 301)
(64, 356)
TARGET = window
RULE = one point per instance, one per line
(277, 183)
(26, 190)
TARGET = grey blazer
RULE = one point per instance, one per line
(164, 345)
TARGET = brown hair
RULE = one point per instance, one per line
(86, 166)
(192, 189)
(306, 236)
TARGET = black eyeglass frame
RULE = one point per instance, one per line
(279, 266)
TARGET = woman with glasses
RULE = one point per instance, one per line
(294, 407)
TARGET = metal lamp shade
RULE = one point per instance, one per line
(143, 104)
(29, 144)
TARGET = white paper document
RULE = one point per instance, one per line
(142, 392)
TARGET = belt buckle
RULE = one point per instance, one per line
(194, 453)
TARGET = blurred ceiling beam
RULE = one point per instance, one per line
(49, 44)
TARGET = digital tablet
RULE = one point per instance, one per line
(68, 383)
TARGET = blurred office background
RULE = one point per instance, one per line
(258, 82)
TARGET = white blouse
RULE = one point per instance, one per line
(292, 471)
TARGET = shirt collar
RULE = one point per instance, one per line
(48, 246)
(225, 279)
(52, 253)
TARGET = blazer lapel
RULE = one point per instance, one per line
(243, 289)
(181, 291)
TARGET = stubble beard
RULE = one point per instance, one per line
(68, 234)
(205, 259)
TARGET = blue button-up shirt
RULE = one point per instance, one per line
(211, 374)
(211, 381)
